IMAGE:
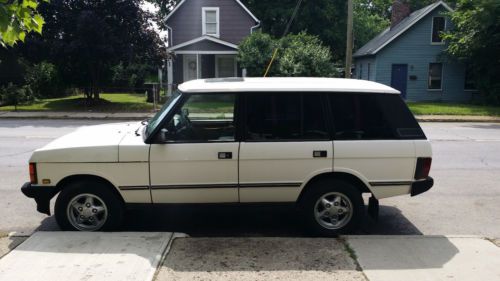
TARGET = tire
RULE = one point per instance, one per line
(94, 207)
(346, 208)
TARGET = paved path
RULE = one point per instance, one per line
(430, 258)
(167, 256)
(85, 256)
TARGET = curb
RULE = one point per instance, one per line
(76, 116)
(455, 119)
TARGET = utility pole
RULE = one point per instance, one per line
(348, 51)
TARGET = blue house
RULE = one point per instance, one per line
(409, 57)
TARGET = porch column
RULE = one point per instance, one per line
(170, 77)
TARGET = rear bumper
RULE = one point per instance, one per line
(422, 186)
(41, 194)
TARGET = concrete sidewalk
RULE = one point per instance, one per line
(144, 115)
(161, 256)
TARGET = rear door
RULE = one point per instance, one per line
(286, 142)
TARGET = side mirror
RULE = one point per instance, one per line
(185, 112)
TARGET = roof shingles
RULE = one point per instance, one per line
(388, 35)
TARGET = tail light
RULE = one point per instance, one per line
(33, 178)
(423, 168)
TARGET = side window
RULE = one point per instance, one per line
(203, 117)
(372, 117)
(438, 24)
(285, 116)
(358, 117)
(435, 76)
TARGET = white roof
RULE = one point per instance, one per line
(289, 84)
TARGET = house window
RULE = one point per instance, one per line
(210, 21)
(225, 66)
(360, 71)
(438, 24)
(469, 81)
(435, 76)
(369, 66)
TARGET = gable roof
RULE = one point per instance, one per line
(388, 35)
(237, 1)
(204, 37)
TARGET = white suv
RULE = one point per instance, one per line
(316, 142)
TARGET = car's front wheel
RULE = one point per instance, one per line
(331, 207)
(88, 206)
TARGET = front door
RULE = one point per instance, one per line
(286, 142)
(199, 161)
(399, 78)
(191, 67)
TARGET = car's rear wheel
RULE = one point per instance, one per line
(88, 206)
(331, 207)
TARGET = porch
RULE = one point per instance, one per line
(203, 57)
(188, 67)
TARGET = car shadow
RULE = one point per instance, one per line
(243, 221)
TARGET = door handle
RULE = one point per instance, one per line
(320, 153)
(225, 155)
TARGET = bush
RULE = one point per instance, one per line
(43, 79)
(14, 95)
(298, 55)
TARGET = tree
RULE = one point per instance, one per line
(323, 18)
(475, 39)
(370, 18)
(17, 18)
(255, 52)
(298, 55)
(86, 39)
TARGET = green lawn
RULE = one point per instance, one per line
(116, 102)
(434, 108)
(127, 102)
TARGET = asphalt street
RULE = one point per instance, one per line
(464, 200)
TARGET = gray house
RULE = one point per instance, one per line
(409, 57)
(203, 38)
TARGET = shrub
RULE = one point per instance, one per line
(298, 55)
(14, 95)
(43, 79)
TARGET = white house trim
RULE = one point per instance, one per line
(247, 10)
(204, 19)
(204, 37)
(237, 1)
(437, 4)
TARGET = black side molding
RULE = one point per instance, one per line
(41, 194)
(420, 187)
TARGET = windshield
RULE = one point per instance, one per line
(160, 115)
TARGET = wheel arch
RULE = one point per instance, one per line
(88, 177)
(360, 184)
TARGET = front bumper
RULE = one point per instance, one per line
(422, 186)
(41, 194)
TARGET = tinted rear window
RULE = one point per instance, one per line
(373, 116)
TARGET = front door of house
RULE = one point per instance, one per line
(399, 77)
(190, 66)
